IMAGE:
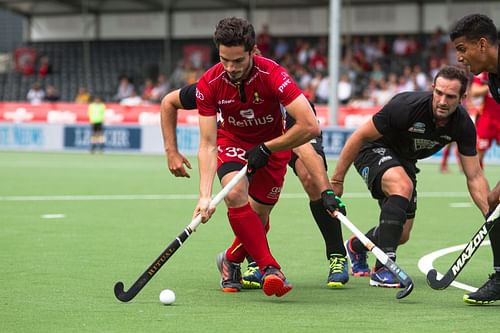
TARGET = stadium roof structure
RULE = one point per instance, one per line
(30, 8)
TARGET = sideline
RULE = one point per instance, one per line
(425, 263)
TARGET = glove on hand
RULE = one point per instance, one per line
(257, 157)
(331, 202)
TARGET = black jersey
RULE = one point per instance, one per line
(187, 96)
(408, 127)
(494, 81)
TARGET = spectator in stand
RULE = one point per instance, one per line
(281, 49)
(125, 89)
(36, 94)
(422, 83)
(51, 94)
(45, 67)
(264, 41)
(160, 89)
(83, 95)
(132, 100)
(147, 91)
(344, 89)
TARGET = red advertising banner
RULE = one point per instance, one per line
(76, 113)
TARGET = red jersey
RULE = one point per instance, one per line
(255, 115)
(490, 107)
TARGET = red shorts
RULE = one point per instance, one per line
(266, 183)
(488, 129)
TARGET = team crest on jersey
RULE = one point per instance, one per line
(257, 99)
(199, 95)
(418, 127)
(380, 151)
(248, 114)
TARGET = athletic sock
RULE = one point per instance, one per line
(329, 227)
(494, 235)
(392, 218)
(250, 232)
(356, 244)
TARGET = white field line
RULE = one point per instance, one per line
(425, 263)
(102, 197)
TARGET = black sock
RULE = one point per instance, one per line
(356, 244)
(392, 218)
(329, 227)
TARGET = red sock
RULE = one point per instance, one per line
(237, 252)
(250, 236)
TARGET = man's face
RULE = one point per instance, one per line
(445, 97)
(236, 61)
(471, 53)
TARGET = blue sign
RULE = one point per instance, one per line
(334, 139)
(117, 137)
(21, 136)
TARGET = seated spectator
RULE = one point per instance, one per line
(147, 91)
(344, 90)
(83, 96)
(51, 94)
(125, 89)
(160, 89)
(132, 100)
(36, 94)
(45, 67)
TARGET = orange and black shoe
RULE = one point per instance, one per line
(230, 274)
(274, 282)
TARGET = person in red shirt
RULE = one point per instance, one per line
(488, 121)
(248, 91)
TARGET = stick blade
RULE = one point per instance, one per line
(436, 284)
(120, 293)
(405, 292)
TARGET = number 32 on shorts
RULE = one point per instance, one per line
(232, 152)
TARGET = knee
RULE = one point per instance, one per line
(236, 198)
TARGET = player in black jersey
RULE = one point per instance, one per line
(309, 164)
(476, 40)
(385, 150)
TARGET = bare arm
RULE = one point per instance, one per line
(366, 133)
(476, 182)
(207, 161)
(478, 90)
(168, 111)
(305, 128)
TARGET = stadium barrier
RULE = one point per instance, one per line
(64, 127)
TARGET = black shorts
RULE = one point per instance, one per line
(97, 127)
(373, 162)
(317, 144)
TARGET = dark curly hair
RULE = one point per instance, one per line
(235, 31)
(473, 27)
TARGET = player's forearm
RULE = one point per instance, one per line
(169, 127)
(479, 189)
(207, 162)
(347, 157)
(297, 135)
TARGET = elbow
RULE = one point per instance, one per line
(313, 130)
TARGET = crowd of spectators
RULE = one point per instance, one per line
(372, 69)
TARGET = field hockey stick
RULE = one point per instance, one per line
(381, 256)
(148, 274)
(464, 257)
